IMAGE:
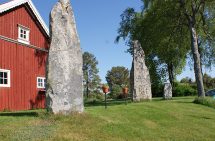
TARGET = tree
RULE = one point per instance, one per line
(164, 52)
(90, 72)
(117, 76)
(182, 22)
(198, 17)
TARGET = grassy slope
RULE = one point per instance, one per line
(178, 119)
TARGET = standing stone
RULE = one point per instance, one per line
(64, 68)
(139, 77)
(167, 91)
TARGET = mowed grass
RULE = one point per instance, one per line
(175, 120)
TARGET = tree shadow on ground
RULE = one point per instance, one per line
(20, 114)
(109, 102)
(176, 100)
(201, 117)
(183, 102)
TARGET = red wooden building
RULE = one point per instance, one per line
(24, 42)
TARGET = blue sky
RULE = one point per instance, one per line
(97, 23)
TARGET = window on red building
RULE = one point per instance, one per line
(4, 78)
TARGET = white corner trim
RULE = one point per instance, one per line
(14, 3)
(8, 80)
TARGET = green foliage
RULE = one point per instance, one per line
(186, 80)
(117, 76)
(183, 89)
(116, 90)
(90, 71)
(209, 82)
(207, 101)
(165, 53)
(95, 96)
(180, 89)
(157, 90)
(163, 28)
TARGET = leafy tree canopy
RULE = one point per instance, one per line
(90, 71)
(169, 31)
(118, 76)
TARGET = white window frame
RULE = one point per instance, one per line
(8, 78)
(26, 34)
(43, 82)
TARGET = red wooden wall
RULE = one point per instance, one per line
(25, 64)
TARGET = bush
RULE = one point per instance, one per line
(95, 96)
(182, 89)
(207, 101)
(115, 92)
(179, 90)
(91, 101)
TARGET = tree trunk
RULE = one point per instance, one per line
(197, 61)
(87, 89)
(87, 85)
(171, 74)
(201, 58)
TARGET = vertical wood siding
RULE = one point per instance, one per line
(25, 64)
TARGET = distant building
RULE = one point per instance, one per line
(24, 43)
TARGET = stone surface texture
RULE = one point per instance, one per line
(64, 67)
(139, 76)
(167, 91)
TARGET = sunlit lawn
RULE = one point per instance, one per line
(174, 120)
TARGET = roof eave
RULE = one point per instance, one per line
(12, 4)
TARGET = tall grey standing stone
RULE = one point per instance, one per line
(167, 91)
(64, 68)
(139, 77)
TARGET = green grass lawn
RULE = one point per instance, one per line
(175, 120)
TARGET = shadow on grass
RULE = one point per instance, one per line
(185, 102)
(109, 103)
(187, 99)
(114, 102)
(20, 114)
(201, 117)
